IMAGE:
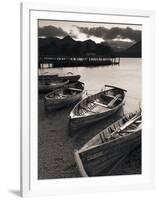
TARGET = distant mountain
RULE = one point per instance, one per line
(69, 47)
(133, 51)
(119, 46)
(125, 49)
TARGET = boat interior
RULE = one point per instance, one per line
(69, 90)
(100, 102)
(130, 123)
(64, 92)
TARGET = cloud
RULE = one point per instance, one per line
(72, 34)
(113, 33)
(53, 31)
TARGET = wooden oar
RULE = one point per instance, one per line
(112, 102)
(126, 125)
(129, 123)
(75, 89)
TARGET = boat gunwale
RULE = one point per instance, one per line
(115, 87)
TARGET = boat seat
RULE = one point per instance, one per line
(110, 130)
(109, 95)
(138, 121)
(100, 104)
(114, 126)
(110, 104)
(103, 138)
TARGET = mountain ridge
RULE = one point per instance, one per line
(67, 46)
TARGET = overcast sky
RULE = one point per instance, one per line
(97, 32)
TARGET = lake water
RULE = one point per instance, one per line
(127, 75)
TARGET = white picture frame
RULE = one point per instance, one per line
(30, 185)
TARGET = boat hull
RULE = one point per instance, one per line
(72, 78)
(61, 103)
(43, 88)
(105, 157)
(47, 77)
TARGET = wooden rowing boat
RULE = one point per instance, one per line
(47, 77)
(64, 96)
(104, 151)
(49, 85)
(69, 76)
(96, 107)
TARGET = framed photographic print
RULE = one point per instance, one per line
(87, 88)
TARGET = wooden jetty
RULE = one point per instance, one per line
(76, 61)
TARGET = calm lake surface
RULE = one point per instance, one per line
(127, 75)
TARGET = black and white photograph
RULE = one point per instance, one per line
(89, 99)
